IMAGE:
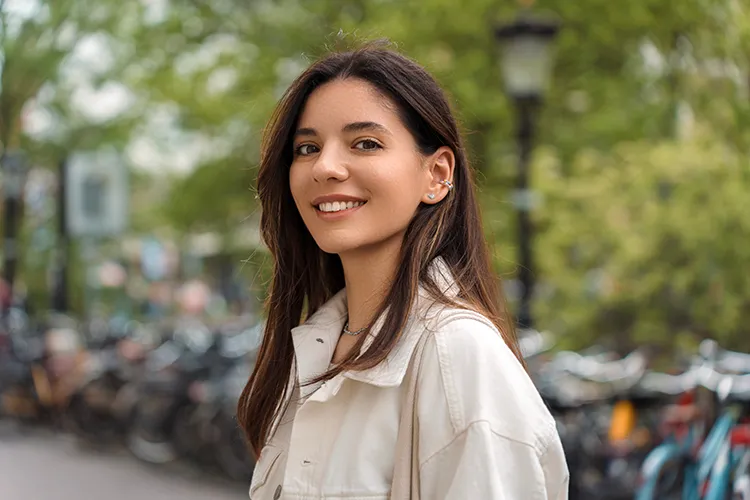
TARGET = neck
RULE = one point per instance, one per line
(368, 274)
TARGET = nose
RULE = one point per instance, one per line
(330, 166)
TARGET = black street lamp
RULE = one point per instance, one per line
(526, 64)
(60, 273)
(14, 169)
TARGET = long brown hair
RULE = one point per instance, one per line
(305, 277)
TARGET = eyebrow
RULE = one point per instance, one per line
(350, 127)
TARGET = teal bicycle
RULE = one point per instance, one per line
(691, 464)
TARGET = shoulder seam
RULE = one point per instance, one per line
(465, 430)
(545, 438)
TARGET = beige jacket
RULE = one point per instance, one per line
(484, 431)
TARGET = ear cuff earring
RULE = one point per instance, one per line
(447, 184)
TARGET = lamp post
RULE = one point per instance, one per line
(60, 276)
(14, 169)
(526, 62)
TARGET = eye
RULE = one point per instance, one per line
(367, 145)
(305, 149)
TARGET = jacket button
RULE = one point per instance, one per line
(277, 495)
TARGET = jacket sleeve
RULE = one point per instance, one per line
(479, 463)
(486, 432)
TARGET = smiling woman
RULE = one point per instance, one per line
(404, 378)
(350, 146)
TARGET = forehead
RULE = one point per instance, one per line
(347, 101)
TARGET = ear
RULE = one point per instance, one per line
(439, 167)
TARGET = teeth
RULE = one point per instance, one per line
(338, 206)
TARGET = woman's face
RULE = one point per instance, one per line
(357, 177)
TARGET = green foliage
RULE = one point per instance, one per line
(36, 42)
(603, 92)
(214, 197)
(648, 243)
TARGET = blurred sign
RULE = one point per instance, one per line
(97, 194)
(14, 169)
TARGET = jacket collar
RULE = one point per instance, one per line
(316, 339)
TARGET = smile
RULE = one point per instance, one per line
(339, 206)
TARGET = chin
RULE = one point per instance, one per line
(337, 245)
(342, 239)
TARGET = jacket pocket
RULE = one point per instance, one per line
(259, 490)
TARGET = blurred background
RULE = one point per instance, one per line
(610, 144)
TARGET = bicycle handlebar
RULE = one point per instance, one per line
(726, 360)
(726, 386)
(733, 361)
(626, 370)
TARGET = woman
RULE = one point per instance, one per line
(370, 214)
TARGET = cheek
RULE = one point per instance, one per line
(397, 202)
(399, 188)
(296, 184)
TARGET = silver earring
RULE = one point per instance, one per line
(447, 184)
(431, 196)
